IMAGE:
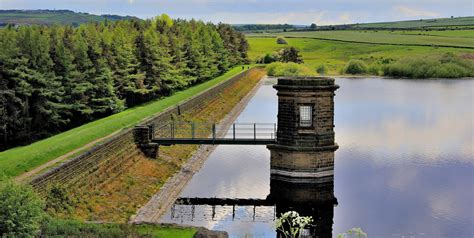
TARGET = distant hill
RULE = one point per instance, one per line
(265, 27)
(435, 23)
(50, 17)
(421, 23)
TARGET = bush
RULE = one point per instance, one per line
(58, 200)
(288, 69)
(355, 67)
(269, 58)
(21, 210)
(290, 54)
(374, 69)
(446, 66)
(321, 69)
(282, 41)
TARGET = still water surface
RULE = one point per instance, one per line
(405, 166)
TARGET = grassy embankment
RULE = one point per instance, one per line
(70, 228)
(335, 49)
(115, 195)
(18, 160)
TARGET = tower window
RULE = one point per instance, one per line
(306, 116)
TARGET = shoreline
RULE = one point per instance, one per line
(159, 203)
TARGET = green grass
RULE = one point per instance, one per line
(166, 232)
(335, 54)
(381, 37)
(53, 227)
(18, 160)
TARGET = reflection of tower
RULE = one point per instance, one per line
(305, 137)
(308, 197)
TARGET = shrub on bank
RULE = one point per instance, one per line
(288, 69)
(21, 210)
(446, 66)
(355, 67)
(282, 41)
(321, 69)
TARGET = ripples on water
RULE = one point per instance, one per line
(404, 167)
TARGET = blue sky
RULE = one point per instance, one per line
(321, 12)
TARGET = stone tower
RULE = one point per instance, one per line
(305, 138)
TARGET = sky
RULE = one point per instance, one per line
(321, 12)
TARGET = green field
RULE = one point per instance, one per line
(335, 54)
(381, 37)
(18, 160)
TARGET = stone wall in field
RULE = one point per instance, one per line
(115, 151)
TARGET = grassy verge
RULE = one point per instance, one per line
(18, 160)
(71, 228)
(335, 55)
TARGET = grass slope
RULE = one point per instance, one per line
(335, 54)
(381, 37)
(18, 160)
(49, 17)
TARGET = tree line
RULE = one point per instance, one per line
(53, 78)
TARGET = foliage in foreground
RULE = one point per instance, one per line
(288, 69)
(22, 215)
(21, 211)
(354, 232)
(290, 224)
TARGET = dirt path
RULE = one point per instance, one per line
(164, 199)
(28, 175)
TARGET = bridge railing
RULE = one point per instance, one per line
(205, 130)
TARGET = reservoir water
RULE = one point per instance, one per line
(404, 167)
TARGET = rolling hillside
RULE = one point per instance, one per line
(50, 17)
(422, 23)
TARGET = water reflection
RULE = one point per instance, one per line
(308, 197)
(404, 167)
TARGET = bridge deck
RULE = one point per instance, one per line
(178, 132)
(211, 141)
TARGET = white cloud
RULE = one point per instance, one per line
(293, 17)
(414, 13)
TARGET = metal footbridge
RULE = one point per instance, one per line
(179, 132)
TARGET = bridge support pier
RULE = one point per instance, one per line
(143, 136)
(305, 137)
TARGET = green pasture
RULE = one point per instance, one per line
(335, 54)
(380, 37)
(18, 160)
